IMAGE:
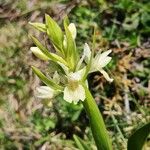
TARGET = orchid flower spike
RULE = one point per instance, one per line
(67, 59)
(98, 62)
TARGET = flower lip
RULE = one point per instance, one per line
(73, 80)
(74, 91)
(74, 95)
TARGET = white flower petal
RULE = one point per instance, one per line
(86, 56)
(38, 53)
(80, 62)
(87, 52)
(76, 76)
(44, 92)
(68, 95)
(106, 76)
(102, 63)
(80, 93)
(102, 56)
(74, 95)
(73, 30)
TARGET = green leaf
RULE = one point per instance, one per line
(71, 51)
(48, 82)
(145, 19)
(96, 122)
(52, 56)
(39, 26)
(80, 143)
(137, 139)
(54, 32)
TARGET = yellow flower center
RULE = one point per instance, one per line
(73, 84)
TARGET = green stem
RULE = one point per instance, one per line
(96, 121)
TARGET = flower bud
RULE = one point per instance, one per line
(44, 92)
(72, 29)
(38, 53)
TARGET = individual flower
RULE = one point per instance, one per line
(45, 92)
(98, 62)
(38, 53)
(74, 91)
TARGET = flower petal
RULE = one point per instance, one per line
(74, 95)
(102, 56)
(80, 93)
(102, 63)
(44, 92)
(86, 56)
(106, 76)
(76, 76)
(68, 95)
(87, 52)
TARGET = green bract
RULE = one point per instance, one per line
(54, 32)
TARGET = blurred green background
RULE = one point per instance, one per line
(27, 123)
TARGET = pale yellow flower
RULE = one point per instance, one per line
(98, 62)
(74, 91)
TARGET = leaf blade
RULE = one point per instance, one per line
(138, 138)
(80, 143)
(54, 32)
